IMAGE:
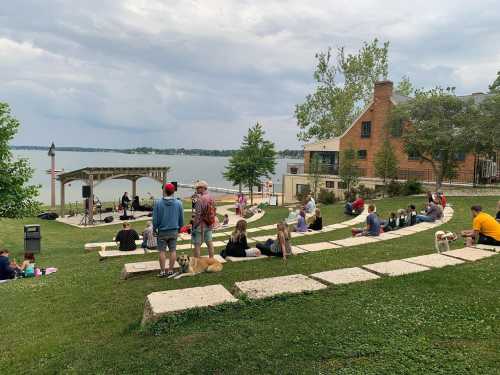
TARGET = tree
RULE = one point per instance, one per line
(436, 121)
(349, 171)
(495, 86)
(386, 163)
(333, 106)
(316, 169)
(17, 198)
(255, 159)
(405, 87)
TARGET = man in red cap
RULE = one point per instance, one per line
(168, 218)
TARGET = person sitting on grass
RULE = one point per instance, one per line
(126, 238)
(237, 245)
(8, 269)
(149, 240)
(356, 207)
(391, 223)
(485, 229)
(301, 222)
(498, 212)
(317, 221)
(292, 215)
(225, 222)
(432, 213)
(310, 205)
(401, 220)
(27, 268)
(372, 224)
(411, 215)
(280, 247)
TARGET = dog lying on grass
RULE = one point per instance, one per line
(442, 240)
(191, 266)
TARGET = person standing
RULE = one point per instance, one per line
(204, 219)
(168, 219)
(125, 203)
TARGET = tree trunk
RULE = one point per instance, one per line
(251, 194)
(474, 177)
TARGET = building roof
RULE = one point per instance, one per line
(477, 97)
(104, 173)
(397, 98)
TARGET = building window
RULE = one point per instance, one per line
(460, 156)
(397, 129)
(366, 129)
(342, 185)
(413, 156)
(362, 154)
(330, 184)
(302, 189)
(294, 170)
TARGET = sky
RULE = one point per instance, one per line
(198, 74)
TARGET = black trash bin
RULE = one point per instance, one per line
(32, 238)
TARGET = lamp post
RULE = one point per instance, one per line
(52, 154)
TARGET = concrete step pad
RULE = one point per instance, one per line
(118, 253)
(268, 227)
(174, 301)
(298, 250)
(355, 241)
(245, 259)
(263, 238)
(469, 253)
(345, 276)
(488, 247)
(395, 268)
(140, 268)
(319, 246)
(264, 288)
(253, 230)
(335, 226)
(434, 260)
(389, 236)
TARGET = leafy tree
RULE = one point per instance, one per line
(386, 163)
(349, 171)
(437, 119)
(316, 169)
(405, 87)
(495, 86)
(333, 106)
(17, 198)
(255, 159)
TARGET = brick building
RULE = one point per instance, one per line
(365, 136)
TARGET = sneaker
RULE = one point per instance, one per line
(162, 274)
(171, 274)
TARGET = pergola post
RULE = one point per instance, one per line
(62, 197)
(91, 200)
(134, 187)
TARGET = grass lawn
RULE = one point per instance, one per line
(84, 319)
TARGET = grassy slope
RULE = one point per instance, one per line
(85, 319)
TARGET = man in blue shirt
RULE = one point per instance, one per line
(7, 271)
(372, 224)
(168, 218)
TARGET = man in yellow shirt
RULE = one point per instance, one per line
(485, 229)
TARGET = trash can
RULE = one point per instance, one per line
(32, 238)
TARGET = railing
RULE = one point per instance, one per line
(427, 175)
(295, 168)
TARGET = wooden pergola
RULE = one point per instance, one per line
(93, 176)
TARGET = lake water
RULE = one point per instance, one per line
(184, 169)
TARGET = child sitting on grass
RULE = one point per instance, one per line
(317, 221)
(391, 223)
(280, 247)
(238, 245)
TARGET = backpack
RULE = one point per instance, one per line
(208, 213)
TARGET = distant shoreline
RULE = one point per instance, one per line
(284, 154)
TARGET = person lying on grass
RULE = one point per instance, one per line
(237, 245)
(372, 224)
(485, 229)
(126, 238)
(316, 221)
(280, 247)
(432, 213)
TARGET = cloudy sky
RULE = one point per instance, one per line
(168, 73)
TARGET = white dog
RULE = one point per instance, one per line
(442, 240)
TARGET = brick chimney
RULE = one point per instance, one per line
(383, 89)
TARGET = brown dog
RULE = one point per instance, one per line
(191, 266)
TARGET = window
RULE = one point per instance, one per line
(302, 188)
(397, 130)
(366, 129)
(342, 185)
(413, 156)
(294, 170)
(460, 156)
(362, 154)
(330, 184)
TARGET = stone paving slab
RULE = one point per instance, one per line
(406, 231)
(488, 247)
(469, 253)
(298, 250)
(245, 259)
(263, 288)
(319, 246)
(297, 234)
(268, 227)
(253, 230)
(434, 260)
(394, 268)
(118, 253)
(262, 238)
(389, 236)
(174, 301)
(345, 276)
(336, 226)
(355, 241)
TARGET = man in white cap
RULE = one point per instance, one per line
(204, 219)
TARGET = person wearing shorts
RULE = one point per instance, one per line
(168, 219)
(485, 229)
(202, 231)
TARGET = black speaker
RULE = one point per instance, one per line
(85, 191)
(175, 184)
(108, 219)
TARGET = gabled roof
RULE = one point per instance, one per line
(398, 98)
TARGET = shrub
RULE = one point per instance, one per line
(394, 188)
(301, 196)
(366, 192)
(350, 195)
(326, 196)
(412, 187)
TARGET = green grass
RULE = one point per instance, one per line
(84, 319)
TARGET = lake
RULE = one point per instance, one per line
(183, 168)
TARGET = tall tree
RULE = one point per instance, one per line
(333, 106)
(437, 119)
(255, 159)
(349, 170)
(405, 87)
(316, 169)
(386, 163)
(17, 197)
(495, 86)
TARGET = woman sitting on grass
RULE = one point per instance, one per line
(280, 247)
(237, 245)
(317, 221)
(126, 238)
(301, 222)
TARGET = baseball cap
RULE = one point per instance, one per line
(169, 187)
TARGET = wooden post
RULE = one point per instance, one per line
(91, 200)
(53, 181)
(62, 197)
